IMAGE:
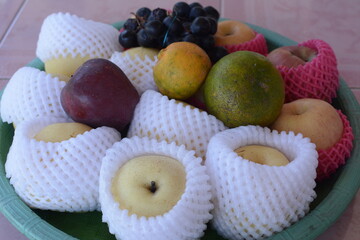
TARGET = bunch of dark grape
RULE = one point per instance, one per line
(158, 28)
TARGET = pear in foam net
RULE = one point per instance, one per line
(137, 64)
(31, 93)
(254, 200)
(66, 41)
(154, 190)
(54, 164)
(156, 116)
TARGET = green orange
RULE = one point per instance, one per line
(244, 88)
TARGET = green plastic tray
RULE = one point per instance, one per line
(334, 195)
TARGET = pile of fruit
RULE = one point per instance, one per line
(176, 132)
(158, 28)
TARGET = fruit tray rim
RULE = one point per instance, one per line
(309, 227)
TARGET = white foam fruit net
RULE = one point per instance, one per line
(139, 71)
(31, 93)
(186, 220)
(158, 117)
(254, 201)
(61, 176)
(63, 33)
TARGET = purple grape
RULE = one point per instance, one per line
(145, 40)
(212, 12)
(216, 53)
(157, 14)
(195, 4)
(155, 28)
(143, 13)
(173, 25)
(181, 10)
(200, 26)
(196, 12)
(128, 39)
(186, 26)
(213, 25)
(207, 42)
(191, 38)
(131, 24)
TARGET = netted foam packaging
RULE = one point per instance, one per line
(139, 71)
(158, 117)
(31, 93)
(318, 78)
(331, 159)
(254, 201)
(186, 220)
(62, 34)
(61, 176)
(258, 44)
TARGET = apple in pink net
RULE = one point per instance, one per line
(100, 94)
(291, 56)
(313, 118)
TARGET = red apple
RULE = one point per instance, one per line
(313, 118)
(100, 94)
(291, 56)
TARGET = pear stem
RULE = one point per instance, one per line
(153, 187)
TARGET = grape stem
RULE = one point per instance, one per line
(167, 32)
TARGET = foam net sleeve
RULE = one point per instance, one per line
(156, 116)
(61, 176)
(186, 220)
(254, 201)
(258, 44)
(139, 72)
(31, 93)
(331, 159)
(318, 78)
(62, 34)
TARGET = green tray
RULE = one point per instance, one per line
(334, 195)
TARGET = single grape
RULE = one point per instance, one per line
(181, 9)
(145, 40)
(212, 12)
(143, 13)
(216, 53)
(173, 25)
(195, 4)
(155, 28)
(131, 24)
(186, 26)
(196, 12)
(128, 39)
(157, 14)
(200, 26)
(207, 42)
(191, 38)
(213, 25)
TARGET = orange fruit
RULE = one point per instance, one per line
(181, 69)
(244, 88)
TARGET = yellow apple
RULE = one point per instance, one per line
(149, 185)
(64, 65)
(264, 155)
(313, 118)
(142, 52)
(58, 132)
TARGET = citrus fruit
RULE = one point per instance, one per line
(181, 69)
(244, 88)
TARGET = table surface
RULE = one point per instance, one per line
(335, 22)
